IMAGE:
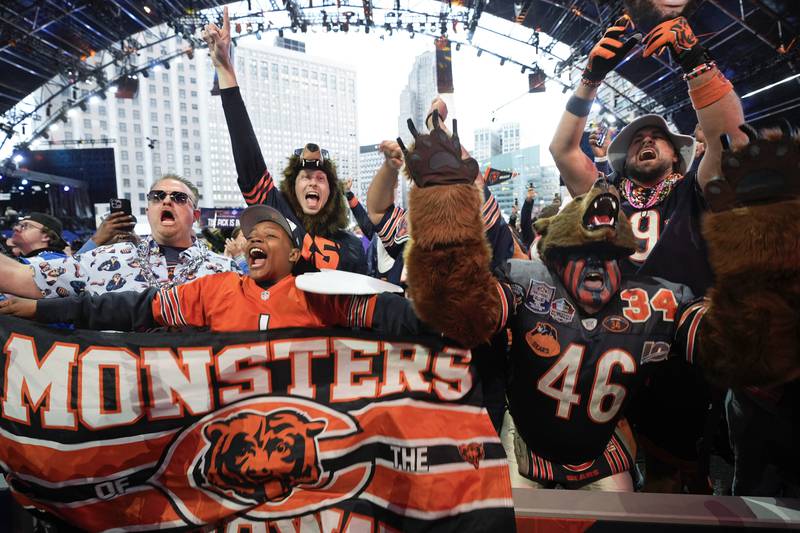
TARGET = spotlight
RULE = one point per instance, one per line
(63, 118)
(82, 106)
(66, 188)
(49, 110)
(147, 10)
(280, 33)
(72, 112)
(258, 34)
(54, 127)
(146, 73)
(166, 64)
(522, 70)
(19, 159)
(458, 46)
(479, 52)
(502, 61)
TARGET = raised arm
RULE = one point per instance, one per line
(577, 170)
(359, 213)
(719, 110)
(380, 195)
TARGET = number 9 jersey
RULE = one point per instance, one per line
(572, 374)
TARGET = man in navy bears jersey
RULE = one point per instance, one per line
(651, 168)
(585, 334)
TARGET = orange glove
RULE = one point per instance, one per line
(677, 36)
(610, 50)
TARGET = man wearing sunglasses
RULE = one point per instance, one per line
(310, 195)
(170, 256)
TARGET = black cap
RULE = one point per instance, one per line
(264, 213)
(48, 221)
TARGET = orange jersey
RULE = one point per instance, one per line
(234, 302)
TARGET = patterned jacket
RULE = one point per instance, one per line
(124, 266)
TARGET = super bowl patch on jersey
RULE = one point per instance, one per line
(539, 296)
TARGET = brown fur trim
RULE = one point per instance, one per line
(444, 214)
(751, 332)
(749, 335)
(754, 239)
(447, 262)
(566, 231)
(333, 216)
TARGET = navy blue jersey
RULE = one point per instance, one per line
(572, 374)
(670, 244)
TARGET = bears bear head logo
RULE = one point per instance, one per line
(256, 458)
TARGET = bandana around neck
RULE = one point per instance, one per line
(646, 197)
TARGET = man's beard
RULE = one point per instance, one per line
(647, 177)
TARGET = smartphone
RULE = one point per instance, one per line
(120, 205)
(601, 135)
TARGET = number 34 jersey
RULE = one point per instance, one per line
(572, 374)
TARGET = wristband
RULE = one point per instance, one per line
(578, 106)
(711, 91)
(705, 67)
(601, 159)
(349, 195)
(591, 83)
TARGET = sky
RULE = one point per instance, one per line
(483, 88)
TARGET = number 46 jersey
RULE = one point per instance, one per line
(572, 374)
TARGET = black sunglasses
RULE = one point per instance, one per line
(156, 196)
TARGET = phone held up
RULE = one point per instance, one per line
(120, 205)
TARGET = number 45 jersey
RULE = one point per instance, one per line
(572, 374)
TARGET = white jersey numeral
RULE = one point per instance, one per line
(605, 398)
(646, 226)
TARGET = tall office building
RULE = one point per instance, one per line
(174, 124)
(292, 99)
(525, 162)
(487, 144)
(416, 97)
(370, 160)
(493, 141)
(163, 130)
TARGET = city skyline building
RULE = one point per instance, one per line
(526, 162)
(173, 125)
(292, 99)
(417, 95)
(491, 141)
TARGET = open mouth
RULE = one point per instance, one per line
(312, 199)
(593, 280)
(602, 213)
(647, 154)
(257, 258)
(167, 216)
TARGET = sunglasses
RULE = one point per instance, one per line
(156, 196)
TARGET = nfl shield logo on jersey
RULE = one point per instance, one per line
(539, 296)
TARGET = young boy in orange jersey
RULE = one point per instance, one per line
(266, 298)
